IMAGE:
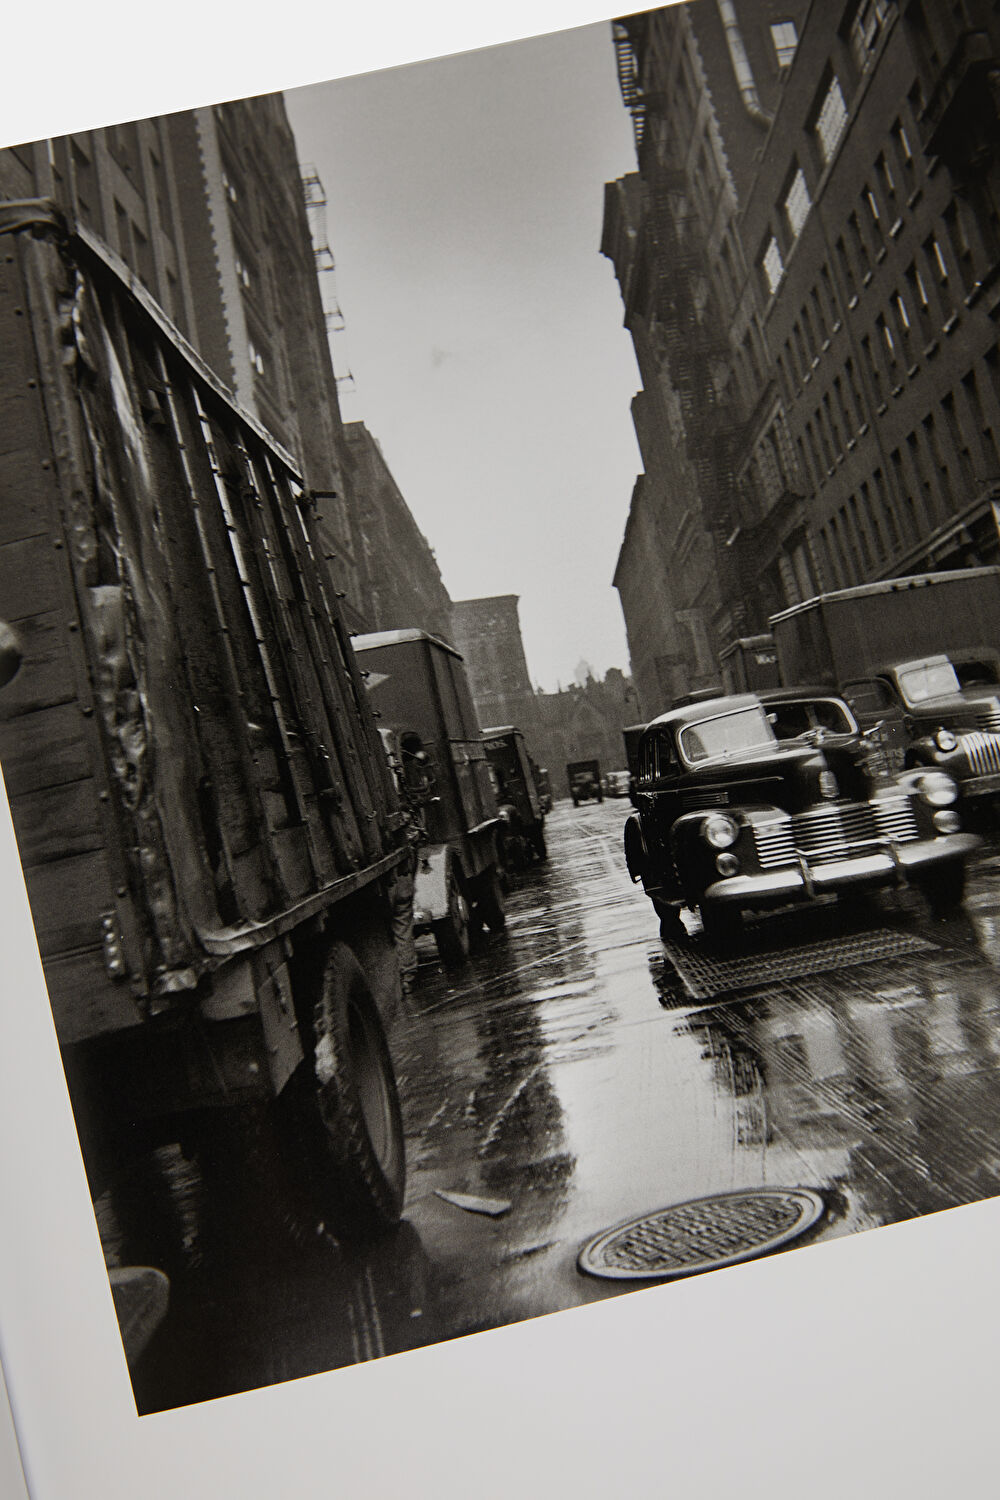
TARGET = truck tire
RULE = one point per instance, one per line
(345, 1103)
(451, 932)
(943, 887)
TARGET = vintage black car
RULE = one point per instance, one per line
(732, 816)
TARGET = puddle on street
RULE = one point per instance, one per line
(563, 1072)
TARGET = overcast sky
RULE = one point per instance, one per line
(483, 326)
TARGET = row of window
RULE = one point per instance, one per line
(931, 476)
(925, 304)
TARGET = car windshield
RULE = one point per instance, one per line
(927, 679)
(729, 734)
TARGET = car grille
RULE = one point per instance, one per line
(982, 751)
(829, 833)
(989, 720)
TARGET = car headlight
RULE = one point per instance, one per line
(945, 740)
(937, 789)
(720, 832)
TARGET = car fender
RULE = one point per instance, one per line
(636, 853)
(430, 883)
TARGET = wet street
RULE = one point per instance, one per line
(577, 1073)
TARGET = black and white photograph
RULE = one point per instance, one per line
(500, 714)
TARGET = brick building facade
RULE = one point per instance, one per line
(847, 226)
(401, 580)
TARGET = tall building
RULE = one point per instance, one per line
(701, 82)
(209, 210)
(816, 228)
(401, 579)
(875, 266)
(488, 634)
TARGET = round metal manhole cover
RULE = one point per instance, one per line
(701, 1235)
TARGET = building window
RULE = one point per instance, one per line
(866, 28)
(918, 293)
(859, 244)
(797, 203)
(773, 265)
(872, 204)
(785, 39)
(935, 254)
(256, 358)
(831, 119)
(887, 338)
(902, 316)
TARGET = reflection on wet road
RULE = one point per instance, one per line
(567, 1072)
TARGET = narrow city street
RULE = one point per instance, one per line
(578, 1073)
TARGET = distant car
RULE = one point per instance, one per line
(584, 778)
(733, 816)
(616, 784)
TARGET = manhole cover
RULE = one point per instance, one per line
(701, 1235)
(704, 975)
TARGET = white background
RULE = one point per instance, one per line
(864, 1367)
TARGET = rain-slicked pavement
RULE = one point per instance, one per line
(577, 1073)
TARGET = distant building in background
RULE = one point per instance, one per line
(488, 634)
(211, 211)
(402, 582)
(581, 722)
(809, 257)
(585, 722)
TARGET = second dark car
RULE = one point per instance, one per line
(731, 817)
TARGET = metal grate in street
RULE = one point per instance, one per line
(701, 1235)
(706, 975)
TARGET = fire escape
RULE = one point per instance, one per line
(315, 200)
(682, 304)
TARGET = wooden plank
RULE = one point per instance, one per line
(29, 583)
(25, 510)
(46, 675)
(57, 821)
(68, 897)
(44, 748)
(85, 1000)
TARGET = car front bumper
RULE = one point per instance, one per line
(893, 864)
(978, 786)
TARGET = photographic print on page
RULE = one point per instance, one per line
(253, 378)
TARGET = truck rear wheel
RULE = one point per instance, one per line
(451, 932)
(351, 1143)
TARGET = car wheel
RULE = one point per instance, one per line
(451, 932)
(943, 887)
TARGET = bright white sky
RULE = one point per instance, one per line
(483, 326)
